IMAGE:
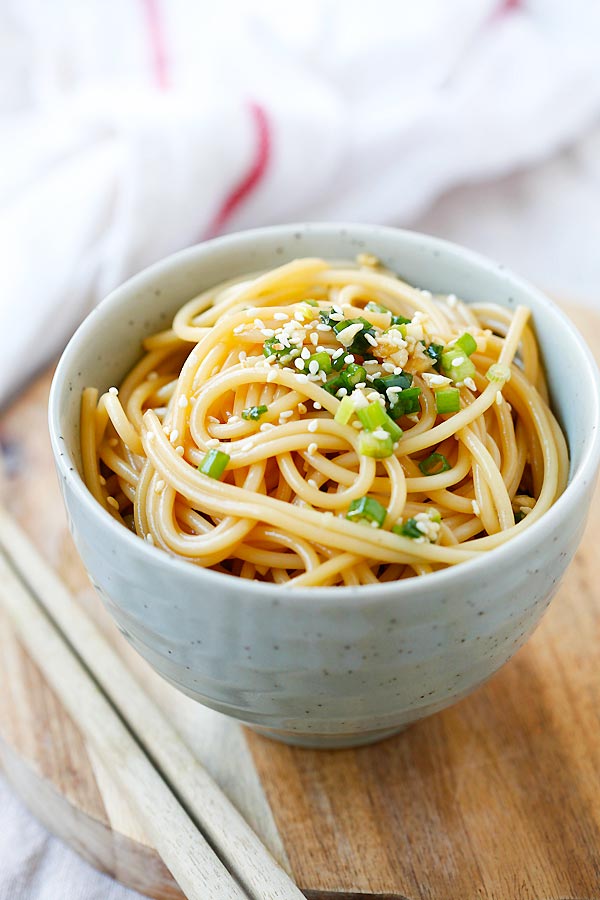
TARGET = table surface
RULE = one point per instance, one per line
(496, 798)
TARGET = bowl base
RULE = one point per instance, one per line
(327, 741)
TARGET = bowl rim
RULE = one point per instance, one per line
(396, 590)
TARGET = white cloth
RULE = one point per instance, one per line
(130, 130)
(36, 866)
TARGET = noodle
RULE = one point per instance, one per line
(328, 425)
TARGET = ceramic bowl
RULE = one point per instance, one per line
(326, 667)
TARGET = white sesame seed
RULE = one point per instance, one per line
(259, 323)
(314, 338)
(301, 408)
(305, 353)
(286, 413)
(357, 425)
(323, 327)
(311, 482)
(270, 359)
(174, 435)
(349, 359)
(499, 398)
(167, 430)
(299, 316)
(114, 391)
(301, 378)
(299, 363)
(317, 405)
(337, 353)
(398, 370)
(212, 442)
(182, 402)
(179, 450)
(159, 486)
(380, 434)
(112, 502)
(267, 332)
(239, 328)
(370, 339)
(313, 367)
(470, 384)
(312, 426)
(347, 334)
(267, 426)
(388, 367)
(281, 316)
(312, 449)
(341, 393)
(458, 361)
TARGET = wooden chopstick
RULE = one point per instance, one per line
(234, 842)
(184, 850)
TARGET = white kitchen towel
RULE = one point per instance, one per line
(129, 130)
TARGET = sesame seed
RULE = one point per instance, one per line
(267, 426)
(167, 430)
(301, 408)
(312, 449)
(286, 413)
(112, 502)
(270, 359)
(305, 353)
(179, 450)
(470, 384)
(398, 370)
(313, 425)
(267, 332)
(313, 367)
(259, 323)
(341, 393)
(336, 317)
(338, 353)
(182, 402)
(426, 294)
(357, 425)
(499, 398)
(349, 359)
(114, 391)
(174, 435)
(317, 405)
(299, 363)
(370, 339)
(239, 328)
(301, 378)
(314, 338)
(299, 316)
(323, 327)
(458, 361)
(281, 316)
(388, 367)
(311, 482)
(159, 486)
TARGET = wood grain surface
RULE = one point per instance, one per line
(497, 798)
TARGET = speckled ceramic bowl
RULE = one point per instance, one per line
(326, 667)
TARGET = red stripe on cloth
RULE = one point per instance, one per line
(250, 181)
(156, 36)
(507, 6)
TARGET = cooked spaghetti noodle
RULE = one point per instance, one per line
(327, 424)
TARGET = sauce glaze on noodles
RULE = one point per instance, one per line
(236, 374)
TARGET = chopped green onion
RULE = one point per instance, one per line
(324, 315)
(435, 464)
(408, 529)
(274, 347)
(368, 511)
(398, 326)
(406, 403)
(345, 411)
(214, 464)
(467, 343)
(400, 320)
(375, 447)
(311, 302)
(498, 373)
(339, 362)
(404, 380)
(447, 400)
(323, 360)
(376, 307)
(374, 416)
(253, 412)
(334, 384)
(354, 375)
(359, 345)
(434, 352)
(457, 365)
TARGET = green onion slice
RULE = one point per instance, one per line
(345, 411)
(435, 464)
(322, 359)
(467, 343)
(447, 400)
(375, 447)
(253, 413)
(214, 464)
(374, 416)
(368, 511)
(456, 364)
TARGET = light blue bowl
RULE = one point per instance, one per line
(323, 667)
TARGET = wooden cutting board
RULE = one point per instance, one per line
(497, 798)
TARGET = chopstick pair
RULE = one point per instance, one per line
(209, 848)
